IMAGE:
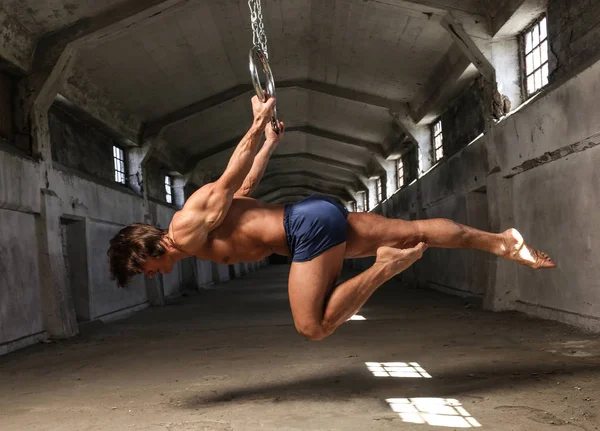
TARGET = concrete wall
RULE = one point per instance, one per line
(21, 320)
(454, 189)
(156, 180)
(105, 297)
(91, 209)
(549, 152)
(463, 120)
(536, 170)
(574, 31)
(6, 120)
(79, 146)
(20, 304)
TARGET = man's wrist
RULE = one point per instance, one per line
(259, 124)
(271, 145)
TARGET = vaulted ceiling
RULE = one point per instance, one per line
(346, 71)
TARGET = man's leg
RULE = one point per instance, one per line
(310, 282)
(367, 232)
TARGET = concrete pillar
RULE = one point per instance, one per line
(135, 160)
(422, 136)
(179, 183)
(391, 183)
(155, 291)
(372, 194)
(59, 312)
(505, 59)
(502, 289)
(223, 272)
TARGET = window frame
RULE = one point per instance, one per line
(379, 189)
(523, 58)
(122, 164)
(365, 201)
(169, 192)
(400, 180)
(434, 136)
(354, 207)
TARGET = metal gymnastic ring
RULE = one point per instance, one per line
(257, 53)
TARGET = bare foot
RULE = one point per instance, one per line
(399, 259)
(517, 250)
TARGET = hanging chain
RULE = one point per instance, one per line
(259, 37)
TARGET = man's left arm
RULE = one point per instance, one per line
(261, 160)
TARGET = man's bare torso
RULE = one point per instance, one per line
(251, 231)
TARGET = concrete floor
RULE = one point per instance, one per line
(230, 359)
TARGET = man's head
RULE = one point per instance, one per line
(136, 249)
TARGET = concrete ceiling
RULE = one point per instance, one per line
(346, 70)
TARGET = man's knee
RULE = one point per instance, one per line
(311, 331)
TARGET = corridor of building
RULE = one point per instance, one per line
(151, 209)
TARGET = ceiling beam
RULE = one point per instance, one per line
(16, 45)
(432, 6)
(431, 99)
(515, 15)
(372, 147)
(342, 195)
(156, 127)
(469, 47)
(289, 199)
(323, 166)
(86, 96)
(333, 191)
(56, 52)
(355, 186)
(266, 187)
(354, 169)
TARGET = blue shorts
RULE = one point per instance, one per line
(314, 225)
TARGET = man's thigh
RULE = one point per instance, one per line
(367, 232)
(310, 284)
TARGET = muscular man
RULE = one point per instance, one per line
(219, 222)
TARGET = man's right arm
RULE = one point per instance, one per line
(261, 160)
(206, 209)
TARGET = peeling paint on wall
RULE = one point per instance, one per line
(552, 156)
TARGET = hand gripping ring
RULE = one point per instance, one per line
(257, 53)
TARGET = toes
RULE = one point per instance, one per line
(421, 247)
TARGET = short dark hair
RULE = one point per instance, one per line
(130, 248)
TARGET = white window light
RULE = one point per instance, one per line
(399, 173)
(438, 141)
(379, 187)
(119, 164)
(535, 55)
(168, 189)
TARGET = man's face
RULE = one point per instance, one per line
(154, 265)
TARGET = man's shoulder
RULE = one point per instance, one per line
(186, 229)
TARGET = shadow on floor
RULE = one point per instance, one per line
(351, 383)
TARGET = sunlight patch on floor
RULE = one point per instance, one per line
(433, 411)
(397, 369)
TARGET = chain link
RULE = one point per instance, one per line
(259, 37)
